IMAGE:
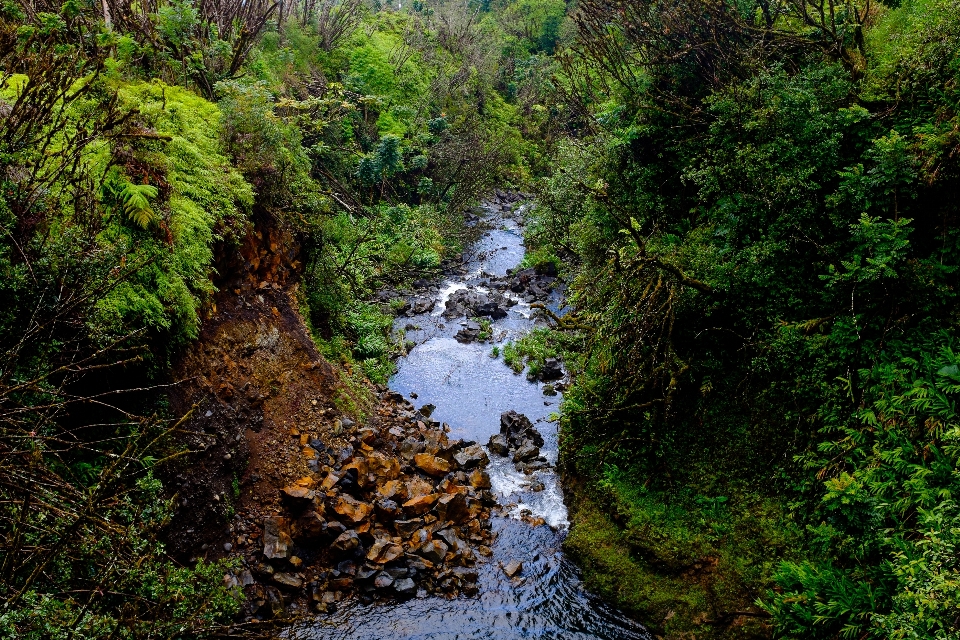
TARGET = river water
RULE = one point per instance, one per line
(470, 389)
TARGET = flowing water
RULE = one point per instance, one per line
(470, 389)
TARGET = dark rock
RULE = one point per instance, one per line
(452, 507)
(470, 332)
(551, 370)
(349, 481)
(346, 542)
(427, 410)
(512, 422)
(421, 305)
(277, 607)
(434, 551)
(387, 510)
(466, 574)
(335, 528)
(491, 309)
(366, 572)
(383, 580)
(472, 456)
(311, 525)
(452, 539)
(528, 451)
(498, 445)
(405, 587)
(405, 528)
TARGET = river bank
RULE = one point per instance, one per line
(527, 587)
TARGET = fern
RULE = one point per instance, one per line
(136, 203)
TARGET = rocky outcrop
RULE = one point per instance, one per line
(519, 440)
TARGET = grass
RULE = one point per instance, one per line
(531, 350)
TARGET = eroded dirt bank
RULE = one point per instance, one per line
(319, 486)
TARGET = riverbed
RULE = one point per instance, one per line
(470, 389)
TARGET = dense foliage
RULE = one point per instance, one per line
(142, 142)
(759, 212)
(754, 202)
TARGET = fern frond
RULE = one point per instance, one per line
(136, 203)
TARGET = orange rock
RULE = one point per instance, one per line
(362, 470)
(385, 467)
(353, 509)
(479, 479)
(384, 551)
(418, 487)
(452, 507)
(329, 481)
(304, 438)
(389, 489)
(431, 465)
(420, 504)
(309, 453)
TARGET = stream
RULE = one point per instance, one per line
(470, 389)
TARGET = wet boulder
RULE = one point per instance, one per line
(526, 452)
(491, 309)
(383, 580)
(498, 445)
(431, 465)
(471, 457)
(512, 422)
(471, 331)
(550, 370)
(405, 588)
(512, 568)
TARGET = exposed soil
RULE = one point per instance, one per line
(323, 487)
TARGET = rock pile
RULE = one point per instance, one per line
(470, 302)
(520, 440)
(401, 508)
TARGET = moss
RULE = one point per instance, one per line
(682, 562)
